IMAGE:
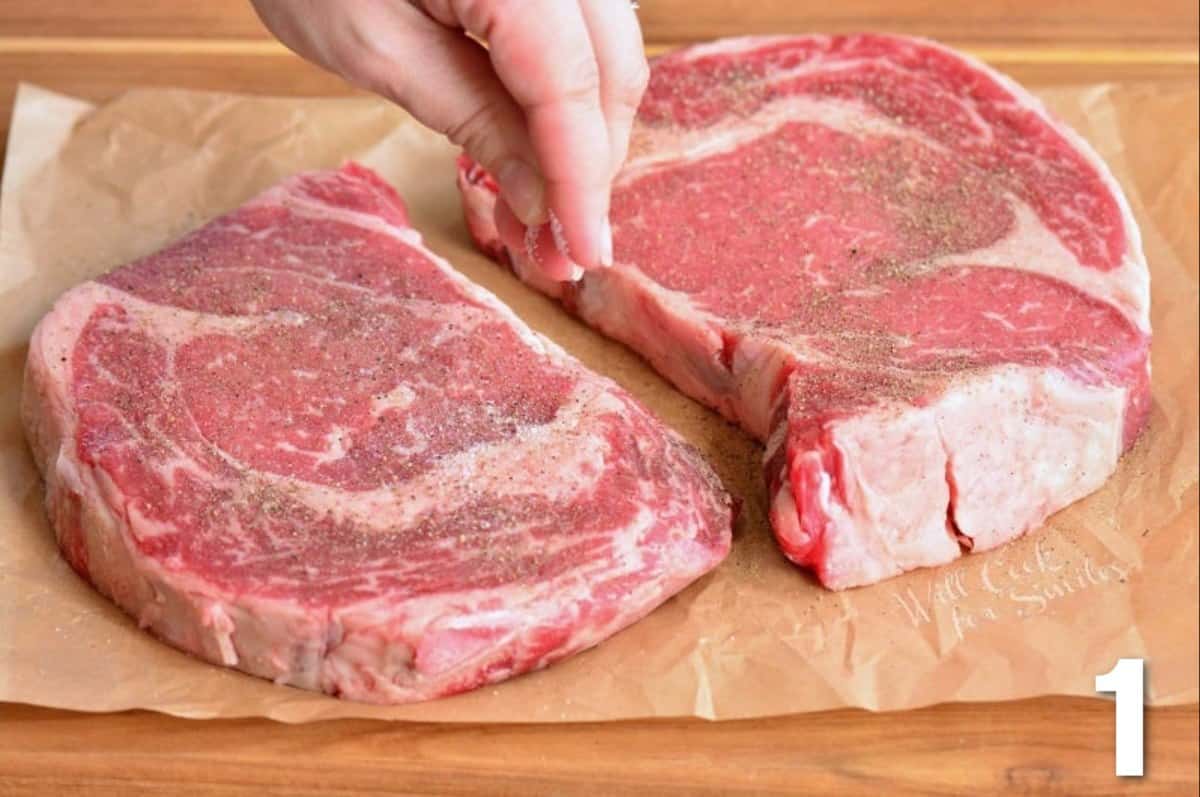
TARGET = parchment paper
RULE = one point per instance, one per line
(86, 188)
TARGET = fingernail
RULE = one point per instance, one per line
(606, 243)
(522, 188)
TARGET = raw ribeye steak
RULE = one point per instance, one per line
(297, 443)
(889, 263)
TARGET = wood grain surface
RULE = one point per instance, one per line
(1057, 22)
(1062, 746)
(1052, 745)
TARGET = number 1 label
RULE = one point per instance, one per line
(1126, 679)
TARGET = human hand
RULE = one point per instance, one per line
(547, 107)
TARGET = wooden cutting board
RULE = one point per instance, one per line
(1057, 745)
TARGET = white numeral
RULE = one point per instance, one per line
(1127, 681)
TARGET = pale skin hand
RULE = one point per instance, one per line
(547, 107)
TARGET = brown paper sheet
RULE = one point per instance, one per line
(87, 188)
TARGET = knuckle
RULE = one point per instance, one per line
(475, 132)
(579, 81)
